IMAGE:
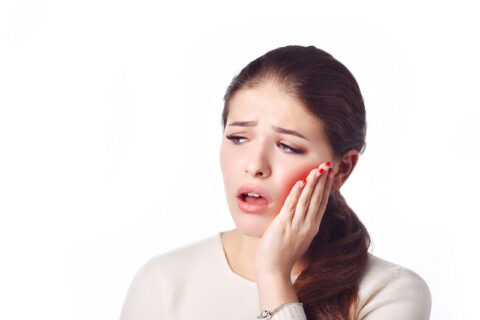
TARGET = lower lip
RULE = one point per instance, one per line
(252, 208)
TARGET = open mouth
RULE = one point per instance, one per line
(253, 199)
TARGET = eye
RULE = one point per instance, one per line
(235, 139)
(287, 147)
(283, 145)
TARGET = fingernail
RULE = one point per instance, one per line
(328, 163)
(321, 170)
(330, 172)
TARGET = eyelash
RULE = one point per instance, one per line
(235, 141)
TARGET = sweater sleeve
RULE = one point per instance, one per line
(405, 296)
(292, 311)
(144, 297)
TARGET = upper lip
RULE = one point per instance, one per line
(255, 189)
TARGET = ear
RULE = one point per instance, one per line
(344, 168)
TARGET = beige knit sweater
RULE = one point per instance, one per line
(195, 282)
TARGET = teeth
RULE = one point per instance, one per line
(253, 194)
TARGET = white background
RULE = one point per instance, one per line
(110, 136)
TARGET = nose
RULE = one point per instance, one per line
(256, 172)
(258, 165)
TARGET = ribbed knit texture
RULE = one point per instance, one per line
(290, 312)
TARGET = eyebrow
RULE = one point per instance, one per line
(275, 128)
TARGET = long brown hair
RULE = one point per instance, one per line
(328, 287)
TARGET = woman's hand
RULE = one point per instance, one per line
(291, 232)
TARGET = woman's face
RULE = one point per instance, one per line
(265, 157)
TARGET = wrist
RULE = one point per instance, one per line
(266, 276)
(265, 272)
(274, 290)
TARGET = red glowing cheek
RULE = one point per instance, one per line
(300, 176)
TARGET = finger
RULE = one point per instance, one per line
(326, 194)
(314, 211)
(304, 200)
(290, 203)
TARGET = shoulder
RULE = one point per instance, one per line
(180, 259)
(145, 295)
(388, 290)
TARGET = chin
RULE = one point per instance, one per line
(251, 225)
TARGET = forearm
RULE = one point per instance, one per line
(274, 290)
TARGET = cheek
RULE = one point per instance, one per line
(289, 180)
(225, 158)
(229, 163)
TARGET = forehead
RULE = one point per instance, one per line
(268, 105)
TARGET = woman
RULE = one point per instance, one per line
(294, 126)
